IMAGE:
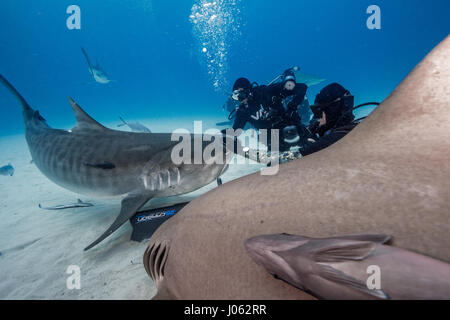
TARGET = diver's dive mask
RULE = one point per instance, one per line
(239, 95)
(347, 101)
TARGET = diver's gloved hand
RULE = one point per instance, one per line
(314, 126)
(306, 137)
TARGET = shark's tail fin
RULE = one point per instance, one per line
(26, 109)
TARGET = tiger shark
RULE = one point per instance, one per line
(99, 75)
(93, 160)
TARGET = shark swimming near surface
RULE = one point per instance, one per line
(96, 71)
(93, 160)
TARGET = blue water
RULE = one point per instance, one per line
(153, 49)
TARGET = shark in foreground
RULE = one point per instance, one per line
(389, 176)
(93, 160)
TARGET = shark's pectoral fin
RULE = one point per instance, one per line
(84, 121)
(130, 205)
(340, 277)
(345, 249)
(377, 238)
(340, 250)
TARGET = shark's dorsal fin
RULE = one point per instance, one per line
(84, 121)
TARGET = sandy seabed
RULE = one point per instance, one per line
(37, 246)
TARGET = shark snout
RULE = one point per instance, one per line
(260, 250)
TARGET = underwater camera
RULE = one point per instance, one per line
(293, 136)
(290, 135)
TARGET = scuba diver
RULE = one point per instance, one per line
(333, 111)
(250, 109)
(274, 106)
(283, 100)
(286, 95)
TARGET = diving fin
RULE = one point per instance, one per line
(130, 205)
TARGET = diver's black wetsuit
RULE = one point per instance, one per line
(283, 105)
(252, 111)
(275, 94)
(329, 138)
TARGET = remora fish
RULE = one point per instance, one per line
(337, 268)
(99, 75)
(134, 126)
(79, 204)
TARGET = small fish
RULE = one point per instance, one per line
(96, 71)
(7, 170)
(135, 126)
(79, 204)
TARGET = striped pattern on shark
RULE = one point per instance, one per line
(94, 160)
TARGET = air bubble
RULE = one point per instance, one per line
(216, 25)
